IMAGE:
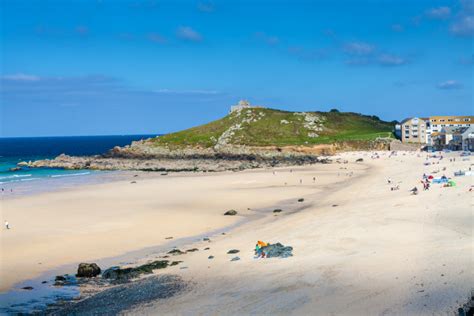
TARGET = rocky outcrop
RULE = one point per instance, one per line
(88, 270)
(143, 157)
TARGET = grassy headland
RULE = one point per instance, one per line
(269, 127)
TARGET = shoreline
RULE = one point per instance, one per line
(329, 206)
(135, 257)
(195, 176)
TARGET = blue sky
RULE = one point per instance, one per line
(103, 67)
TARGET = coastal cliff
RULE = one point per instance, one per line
(244, 139)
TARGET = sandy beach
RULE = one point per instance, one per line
(359, 247)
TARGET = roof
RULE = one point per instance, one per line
(453, 130)
(411, 118)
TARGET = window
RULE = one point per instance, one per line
(467, 120)
(442, 120)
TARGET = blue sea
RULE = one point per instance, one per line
(14, 150)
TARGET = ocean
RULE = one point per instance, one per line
(16, 149)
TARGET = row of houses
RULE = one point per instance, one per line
(438, 132)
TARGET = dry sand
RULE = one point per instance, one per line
(377, 252)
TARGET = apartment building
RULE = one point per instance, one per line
(413, 130)
(437, 123)
(420, 130)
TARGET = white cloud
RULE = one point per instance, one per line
(440, 13)
(188, 34)
(450, 85)
(464, 26)
(391, 60)
(359, 48)
(21, 77)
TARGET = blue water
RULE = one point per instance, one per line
(14, 150)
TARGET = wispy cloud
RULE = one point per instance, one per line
(439, 13)
(20, 77)
(449, 85)
(92, 89)
(463, 22)
(362, 53)
(187, 33)
(183, 92)
(157, 38)
(267, 39)
(391, 60)
(359, 48)
(464, 26)
(207, 7)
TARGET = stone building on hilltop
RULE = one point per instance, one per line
(242, 105)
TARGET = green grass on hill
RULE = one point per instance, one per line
(265, 127)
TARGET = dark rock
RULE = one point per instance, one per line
(235, 259)
(87, 270)
(206, 239)
(277, 250)
(210, 257)
(300, 200)
(44, 282)
(192, 250)
(28, 288)
(207, 248)
(277, 210)
(122, 275)
(60, 278)
(335, 205)
(169, 238)
(175, 252)
(133, 182)
(231, 212)
(360, 160)
(174, 263)
(232, 251)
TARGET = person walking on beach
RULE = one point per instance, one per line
(7, 225)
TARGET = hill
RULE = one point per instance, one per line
(270, 127)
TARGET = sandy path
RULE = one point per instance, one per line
(378, 252)
(98, 221)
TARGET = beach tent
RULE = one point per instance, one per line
(451, 183)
